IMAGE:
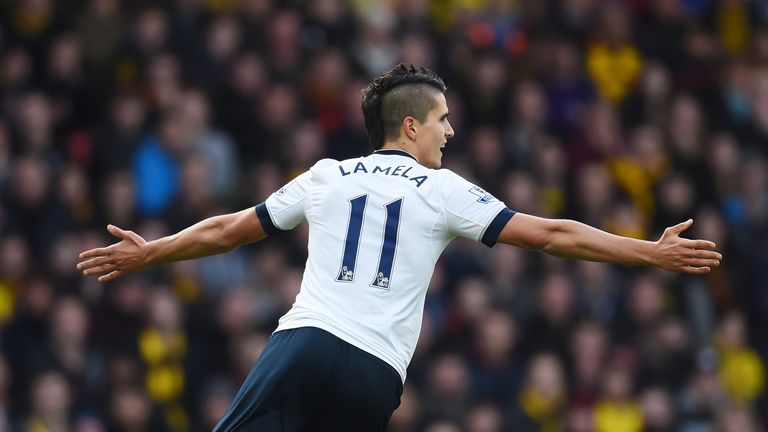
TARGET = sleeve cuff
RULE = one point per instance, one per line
(266, 220)
(497, 224)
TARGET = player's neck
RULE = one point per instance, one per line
(393, 145)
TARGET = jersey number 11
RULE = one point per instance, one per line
(352, 242)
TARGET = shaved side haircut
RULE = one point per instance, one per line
(401, 92)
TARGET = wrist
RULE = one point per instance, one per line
(650, 253)
(148, 253)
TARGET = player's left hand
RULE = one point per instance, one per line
(119, 259)
(678, 254)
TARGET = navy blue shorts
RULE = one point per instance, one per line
(307, 379)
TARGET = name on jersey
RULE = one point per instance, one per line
(398, 171)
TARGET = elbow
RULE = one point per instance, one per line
(227, 242)
(551, 239)
(224, 238)
(549, 248)
(537, 241)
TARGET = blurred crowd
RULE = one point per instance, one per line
(629, 115)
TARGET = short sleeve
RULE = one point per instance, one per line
(472, 212)
(284, 209)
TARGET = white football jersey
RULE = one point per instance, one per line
(377, 225)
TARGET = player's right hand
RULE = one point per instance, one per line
(119, 259)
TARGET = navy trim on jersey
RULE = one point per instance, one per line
(395, 152)
(266, 221)
(497, 224)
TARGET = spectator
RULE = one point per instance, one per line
(613, 61)
(617, 409)
(741, 371)
(51, 403)
(541, 402)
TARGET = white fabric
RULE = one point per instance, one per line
(378, 314)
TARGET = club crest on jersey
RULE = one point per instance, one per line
(482, 196)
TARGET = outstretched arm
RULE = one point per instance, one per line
(571, 239)
(132, 253)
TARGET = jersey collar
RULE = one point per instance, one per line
(395, 152)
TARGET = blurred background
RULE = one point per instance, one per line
(629, 115)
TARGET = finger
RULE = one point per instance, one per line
(124, 234)
(698, 262)
(99, 269)
(682, 226)
(702, 244)
(111, 276)
(93, 262)
(94, 253)
(696, 270)
(117, 232)
(707, 254)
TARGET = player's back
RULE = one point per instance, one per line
(377, 226)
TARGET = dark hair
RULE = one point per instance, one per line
(400, 92)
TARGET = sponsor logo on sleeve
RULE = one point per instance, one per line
(482, 196)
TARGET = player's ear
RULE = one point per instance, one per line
(409, 127)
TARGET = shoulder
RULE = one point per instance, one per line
(322, 167)
(446, 182)
(455, 186)
(449, 179)
(446, 173)
(324, 164)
